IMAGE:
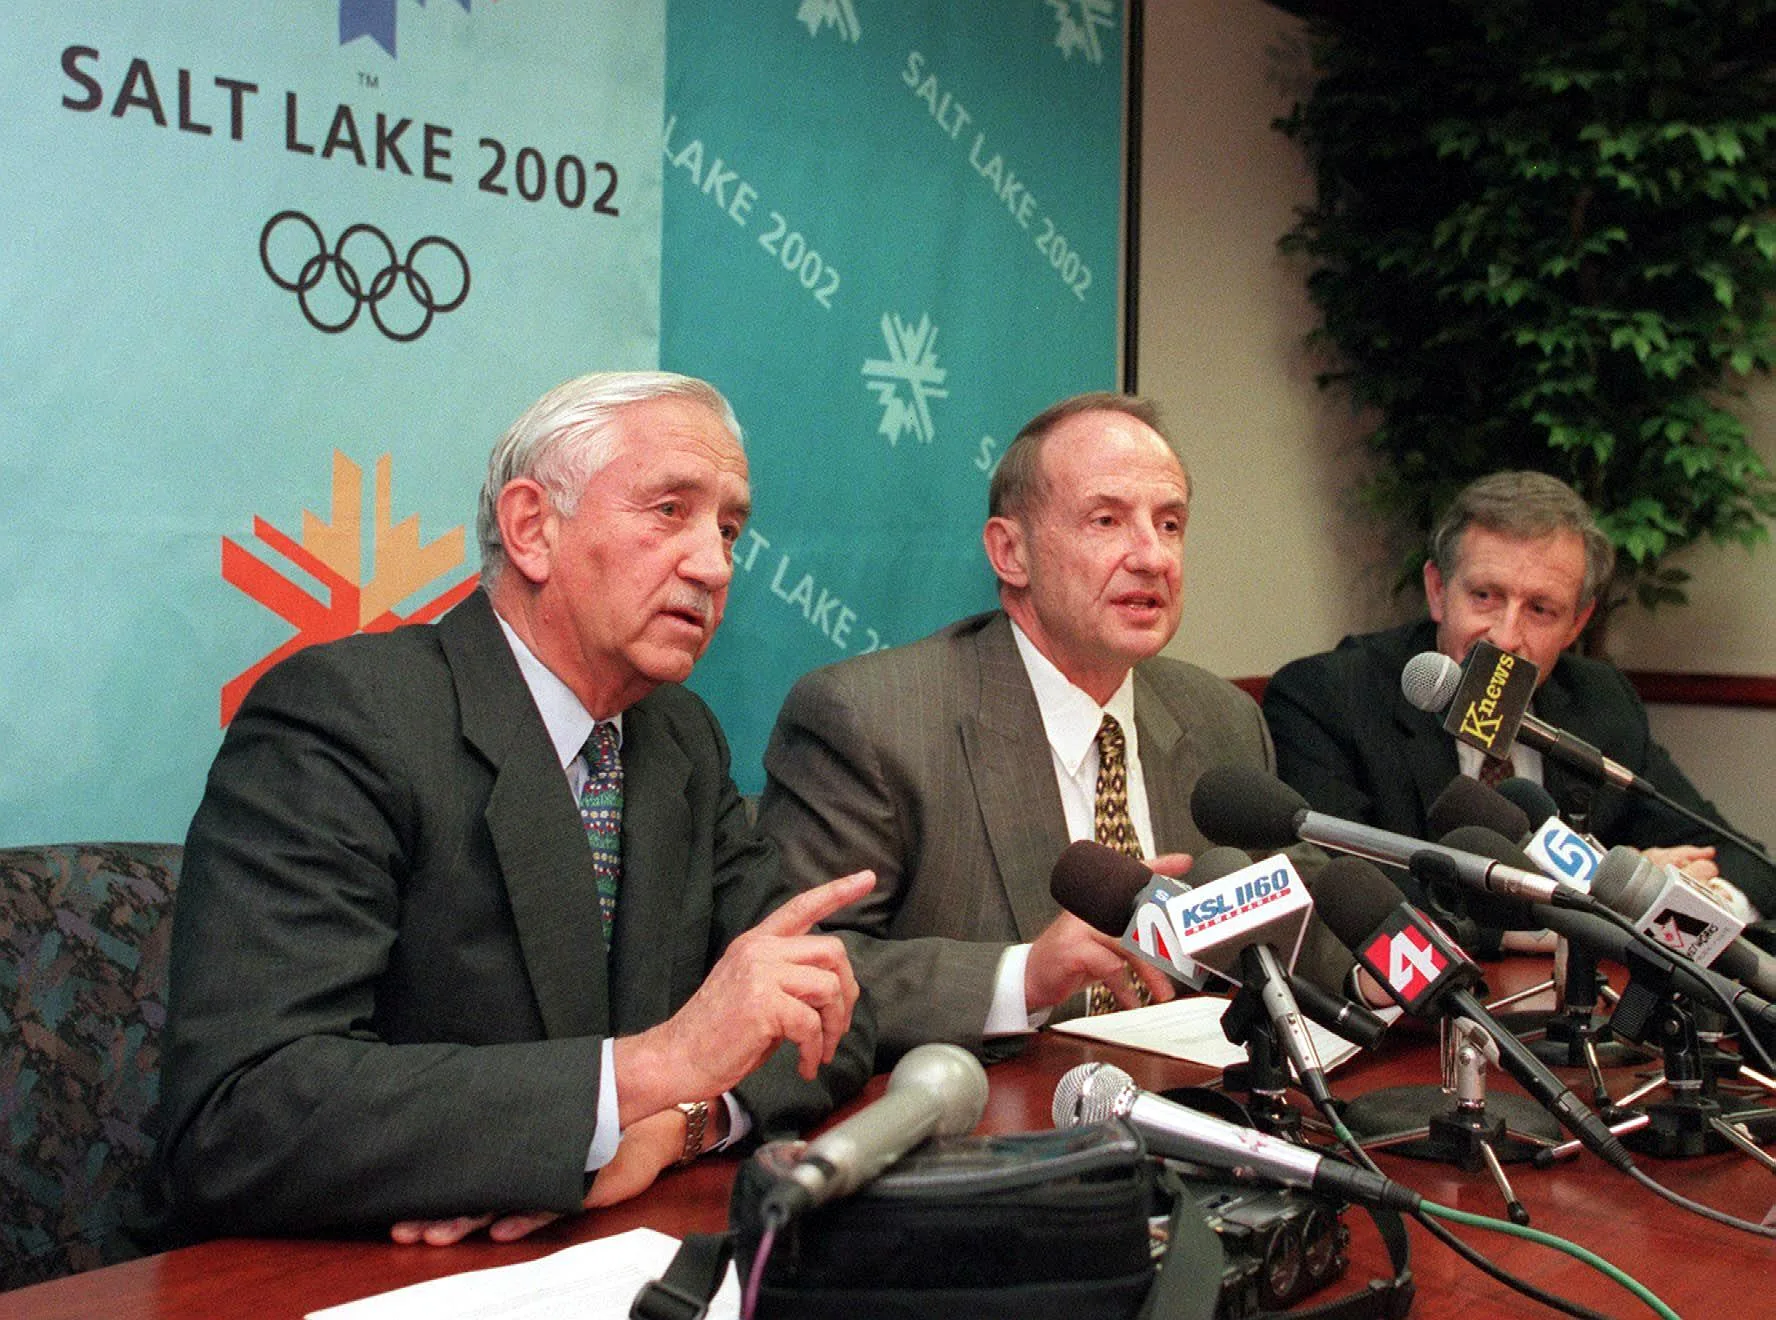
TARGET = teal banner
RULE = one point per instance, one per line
(892, 235)
(275, 277)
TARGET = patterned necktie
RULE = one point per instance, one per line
(1114, 828)
(1495, 770)
(601, 812)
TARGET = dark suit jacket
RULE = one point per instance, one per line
(929, 764)
(389, 982)
(1353, 746)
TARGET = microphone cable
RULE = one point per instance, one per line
(1426, 1218)
(1560, 1244)
(776, 1217)
(1683, 1202)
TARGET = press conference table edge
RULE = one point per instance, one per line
(1690, 1263)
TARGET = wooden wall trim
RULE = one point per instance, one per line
(1662, 687)
(1670, 688)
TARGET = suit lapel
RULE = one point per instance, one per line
(656, 862)
(1169, 759)
(1013, 774)
(1427, 753)
(534, 825)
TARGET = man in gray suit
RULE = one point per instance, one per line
(407, 995)
(959, 767)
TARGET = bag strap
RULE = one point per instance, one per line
(1188, 1286)
(691, 1279)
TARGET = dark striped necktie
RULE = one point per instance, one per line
(601, 812)
(1494, 770)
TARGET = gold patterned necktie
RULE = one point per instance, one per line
(1114, 828)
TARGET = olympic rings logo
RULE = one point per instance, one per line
(334, 312)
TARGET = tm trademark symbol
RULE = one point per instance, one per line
(367, 80)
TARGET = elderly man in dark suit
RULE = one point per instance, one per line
(1517, 560)
(959, 767)
(472, 929)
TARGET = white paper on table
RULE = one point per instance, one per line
(1189, 1028)
(588, 1282)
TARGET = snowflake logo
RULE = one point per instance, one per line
(331, 553)
(1079, 23)
(840, 14)
(912, 362)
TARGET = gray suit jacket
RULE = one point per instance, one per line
(929, 764)
(389, 983)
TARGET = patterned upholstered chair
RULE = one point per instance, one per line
(84, 931)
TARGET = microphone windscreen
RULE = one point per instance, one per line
(1492, 910)
(1429, 681)
(1535, 802)
(1489, 843)
(1215, 863)
(1625, 882)
(1244, 807)
(1097, 884)
(1352, 897)
(1465, 801)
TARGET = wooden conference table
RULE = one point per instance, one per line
(1698, 1268)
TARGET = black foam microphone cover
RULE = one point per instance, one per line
(1352, 897)
(1465, 801)
(1097, 884)
(1491, 909)
(1215, 863)
(1248, 808)
(1535, 802)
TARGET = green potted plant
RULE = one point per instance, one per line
(1543, 237)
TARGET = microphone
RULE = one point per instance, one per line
(1434, 683)
(1431, 679)
(1556, 847)
(1468, 804)
(1117, 895)
(1258, 966)
(1605, 939)
(1341, 1016)
(1529, 797)
(1099, 1092)
(1427, 974)
(1465, 801)
(1665, 903)
(1249, 808)
(935, 1090)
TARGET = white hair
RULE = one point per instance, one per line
(564, 439)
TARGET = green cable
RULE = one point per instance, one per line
(1573, 1249)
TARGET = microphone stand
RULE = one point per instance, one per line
(1697, 1117)
(1453, 1123)
(1264, 1077)
(1575, 1034)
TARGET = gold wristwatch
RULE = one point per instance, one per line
(696, 1114)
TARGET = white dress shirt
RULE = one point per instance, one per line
(1070, 720)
